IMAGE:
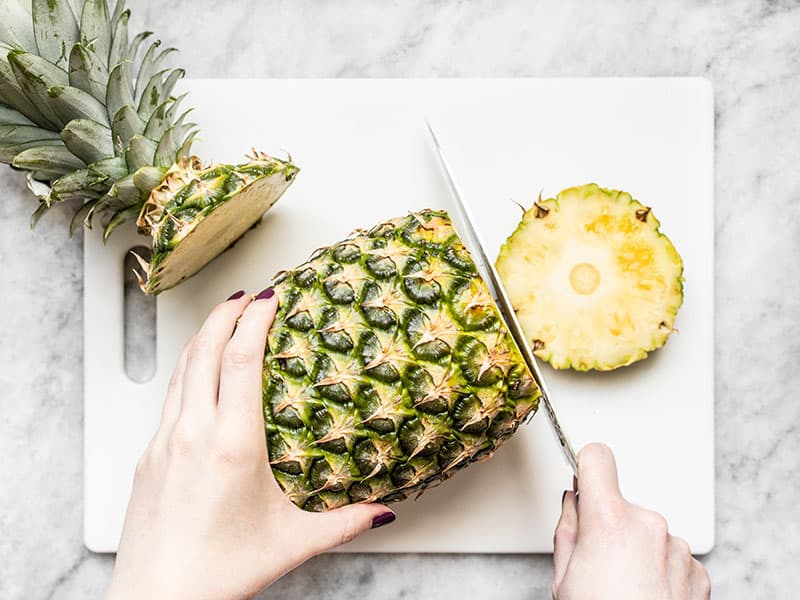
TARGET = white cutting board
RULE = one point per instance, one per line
(365, 155)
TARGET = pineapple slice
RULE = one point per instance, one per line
(594, 282)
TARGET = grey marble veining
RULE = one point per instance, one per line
(749, 50)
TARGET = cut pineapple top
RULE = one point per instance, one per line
(594, 282)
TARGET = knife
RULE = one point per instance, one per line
(476, 248)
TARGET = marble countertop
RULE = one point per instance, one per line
(751, 53)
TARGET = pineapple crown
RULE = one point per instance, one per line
(73, 115)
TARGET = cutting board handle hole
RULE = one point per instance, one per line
(139, 314)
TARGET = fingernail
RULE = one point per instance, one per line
(564, 495)
(383, 519)
(265, 294)
(236, 295)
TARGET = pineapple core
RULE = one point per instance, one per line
(584, 278)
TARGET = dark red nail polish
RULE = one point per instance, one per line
(236, 295)
(383, 519)
(265, 294)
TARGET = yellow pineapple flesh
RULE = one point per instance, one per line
(594, 282)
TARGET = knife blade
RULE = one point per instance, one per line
(465, 225)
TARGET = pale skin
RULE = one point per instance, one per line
(606, 547)
(207, 520)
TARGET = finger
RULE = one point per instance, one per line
(565, 537)
(240, 395)
(331, 529)
(201, 379)
(679, 562)
(700, 581)
(172, 401)
(597, 480)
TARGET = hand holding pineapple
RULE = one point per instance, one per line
(206, 518)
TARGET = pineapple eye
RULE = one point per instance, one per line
(338, 341)
(457, 255)
(520, 385)
(472, 356)
(305, 278)
(321, 475)
(359, 492)
(471, 305)
(367, 459)
(467, 417)
(381, 267)
(450, 454)
(403, 474)
(346, 253)
(421, 291)
(380, 318)
(384, 230)
(302, 321)
(502, 427)
(424, 337)
(339, 292)
(337, 392)
(419, 437)
(279, 456)
(426, 394)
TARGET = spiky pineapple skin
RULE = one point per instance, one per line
(387, 367)
(639, 290)
(188, 197)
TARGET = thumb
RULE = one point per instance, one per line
(344, 524)
(565, 537)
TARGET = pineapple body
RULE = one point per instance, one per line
(91, 116)
(387, 367)
(594, 282)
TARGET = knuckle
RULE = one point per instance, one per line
(201, 346)
(682, 547)
(230, 450)
(654, 523)
(228, 457)
(172, 386)
(565, 530)
(562, 536)
(142, 467)
(614, 513)
(704, 583)
(236, 358)
(349, 531)
(182, 441)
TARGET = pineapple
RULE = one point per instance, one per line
(594, 282)
(91, 117)
(387, 368)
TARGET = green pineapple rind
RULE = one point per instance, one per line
(387, 368)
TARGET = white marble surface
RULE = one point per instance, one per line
(749, 50)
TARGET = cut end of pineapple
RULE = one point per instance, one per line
(191, 230)
(594, 282)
